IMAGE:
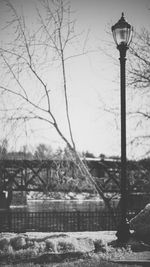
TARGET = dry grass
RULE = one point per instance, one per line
(92, 260)
(77, 263)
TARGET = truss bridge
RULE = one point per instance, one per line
(37, 175)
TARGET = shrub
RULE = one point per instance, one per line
(64, 247)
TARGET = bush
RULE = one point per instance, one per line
(64, 247)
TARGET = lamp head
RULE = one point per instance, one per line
(122, 32)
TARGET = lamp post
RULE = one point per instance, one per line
(122, 34)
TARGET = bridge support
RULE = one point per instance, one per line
(3, 200)
(19, 198)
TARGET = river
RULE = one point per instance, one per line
(39, 205)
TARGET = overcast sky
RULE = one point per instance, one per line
(93, 79)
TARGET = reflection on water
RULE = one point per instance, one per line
(62, 205)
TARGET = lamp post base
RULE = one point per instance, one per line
(123, 234)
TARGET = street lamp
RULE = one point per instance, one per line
(122, 34)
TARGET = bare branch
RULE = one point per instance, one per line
(14, 76)
(8, 90)
(57, 32)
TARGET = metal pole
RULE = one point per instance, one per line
(123, 232)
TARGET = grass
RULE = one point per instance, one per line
(78, 263)
(94, 260)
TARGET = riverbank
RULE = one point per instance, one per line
(67, 196)
(62, 196)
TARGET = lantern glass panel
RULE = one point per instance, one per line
(121, 36)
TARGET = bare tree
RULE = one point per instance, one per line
(30, 56)
(140, 61)
(139, 82)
